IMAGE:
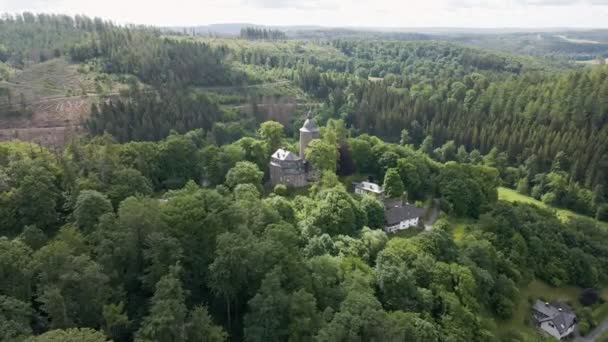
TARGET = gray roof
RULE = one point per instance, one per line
(282, 154)
(398, 213)
(560, 314)
(309, 124)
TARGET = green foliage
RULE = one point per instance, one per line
(337, 213)
(126, 51)
(272, 133)
(151, 115)
(61, 296)
(393, 185)
(168, 312)
(316, 267)
(244, 173)
(39, 37)
(15, 269)
(253, 33)
(602, 213)
(15, 317)
(374, 211)
(116, 321)
(70, 335)
(322, 155)
(200, 327)
(280, 190)
(90, 205)
(126, 183)
(33, 236)
(467, 189)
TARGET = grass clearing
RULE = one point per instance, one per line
(577, 40)
(406, 233)
(510, 195)
(459, 227)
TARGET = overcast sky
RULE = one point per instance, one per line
(376, 13)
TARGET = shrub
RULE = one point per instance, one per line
(280, 190)
(588, 297)
(602, 213)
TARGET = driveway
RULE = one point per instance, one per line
(432, 216)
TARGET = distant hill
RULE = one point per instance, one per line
(234, 29)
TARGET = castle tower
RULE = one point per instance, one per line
(308, 132)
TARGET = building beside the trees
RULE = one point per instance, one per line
(290, 169)
(399, 215)
(370, 188)
(556, 319)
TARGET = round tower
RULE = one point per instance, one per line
(308, 132)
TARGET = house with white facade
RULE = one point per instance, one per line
(556, 319)
(369, 188)
(399, 216)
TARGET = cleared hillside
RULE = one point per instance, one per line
(47, 102)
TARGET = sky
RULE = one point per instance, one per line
(334, 13)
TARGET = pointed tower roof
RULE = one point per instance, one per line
(309, 124)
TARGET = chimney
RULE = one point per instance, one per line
(560, 309)
(546, 303)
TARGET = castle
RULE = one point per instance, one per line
(290, 169)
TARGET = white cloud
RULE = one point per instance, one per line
(384, 13)
(296, 4)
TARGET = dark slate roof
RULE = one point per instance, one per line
(282, 154)
(558, 313)
(396, 214)
(309, 124)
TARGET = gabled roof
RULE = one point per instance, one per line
(558, 313)
(282, 154)
(399, 213)
(369, 186)
(309, 124)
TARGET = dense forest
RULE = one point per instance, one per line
(171, 269)
(254, 33)
(158, 223)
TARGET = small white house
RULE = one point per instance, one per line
(369, 188)
(556, 319)
(399, 216)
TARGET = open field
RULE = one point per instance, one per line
(592, 61)
(510, 195)
(577, 41)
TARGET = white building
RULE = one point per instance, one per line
(369, 188)
(556, 319)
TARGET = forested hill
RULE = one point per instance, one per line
(527, 109)
(535, 114)
(158, 221)
(30, 38)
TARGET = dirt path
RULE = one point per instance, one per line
(435, 210)
(60, 98)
